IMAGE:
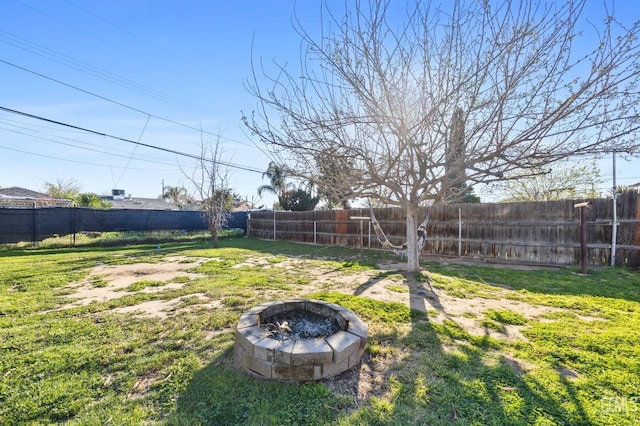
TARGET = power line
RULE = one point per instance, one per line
(106, 75)
(127, 32)
(104, 98)
(100, 151)
(95, 132)
(86, 68)
(115, 184)
(71, 161)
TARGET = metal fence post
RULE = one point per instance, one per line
(614, 229)
(459, 232)
(315, 231)
(274, 224)
(583, 235)
(73, 224)
(36, 225)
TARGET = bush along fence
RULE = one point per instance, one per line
(529, 232)
(34, 225)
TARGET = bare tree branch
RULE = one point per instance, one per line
(210, 180)
(380, 94)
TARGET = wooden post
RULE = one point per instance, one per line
(361, 219)
(614, 226)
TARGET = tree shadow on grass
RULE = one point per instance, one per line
(443, 376)
(448, 376)
(373, 281)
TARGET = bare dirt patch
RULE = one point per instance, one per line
(361, 382)
(165, 308)
(107, 282)
(467, 312)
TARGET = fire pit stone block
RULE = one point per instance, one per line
(247, 337)
(311, 352)
(248, 320)
(302, 359)
(344, 345)
(265, 349)
(294, 305)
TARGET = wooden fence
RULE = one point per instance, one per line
(532, 232)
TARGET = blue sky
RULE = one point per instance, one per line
(186, 61)
(165, 62)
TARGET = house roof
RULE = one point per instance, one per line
(15, 197)
(139, 203)
(14, 191)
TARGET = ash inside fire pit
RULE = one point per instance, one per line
(298, 325)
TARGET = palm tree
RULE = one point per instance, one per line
(175, 194)
(91, 200)
(276, 175)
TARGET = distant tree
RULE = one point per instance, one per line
(298, 200)
(454, 160)
(468, 196)
(277, 180)
(331, 169)
(217, 210)
(65, 189)
(176, 195)
(91, 200)
(562, 182)
(210, 180)
(278, 185)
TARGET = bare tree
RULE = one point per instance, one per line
(210, 180)
(564, 181)
(63, 188)
(531, 82)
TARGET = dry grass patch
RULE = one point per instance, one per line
(114, 279)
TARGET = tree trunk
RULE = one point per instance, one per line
(214, 236)
(413, 264)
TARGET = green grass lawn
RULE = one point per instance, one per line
(576, 361)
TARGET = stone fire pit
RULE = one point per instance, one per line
(299, 339)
